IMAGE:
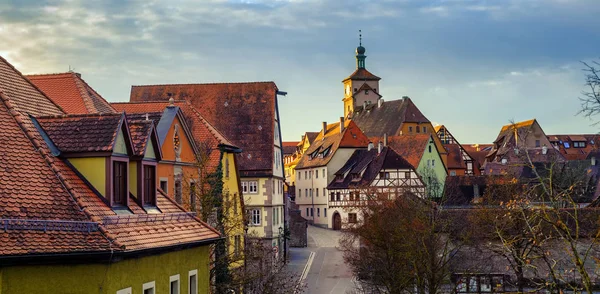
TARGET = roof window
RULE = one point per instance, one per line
(567, 145)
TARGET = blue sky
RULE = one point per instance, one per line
(471, 65)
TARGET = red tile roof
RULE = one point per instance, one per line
(351, 137)
(141, 131)
(71, 92)
(591, 141)
(36, 186)
(83, 132)
(410, 147)
(387, 119)
(455, 160)
(26, 97)
(289, 147)
(362, 74)
(243, 112)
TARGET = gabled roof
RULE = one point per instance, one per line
(387, 119)
(289, 147)
(26, 97)
(591, 141)
(39, 189)
(368, 163)
(71, 92)
(455, 160)
(78, 133)
(362, 74)
(350, 137)
(410, 147)
(311, 136)
(242, 112)
(142, 132)
(366, 86)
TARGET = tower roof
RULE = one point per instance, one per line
(362, 74)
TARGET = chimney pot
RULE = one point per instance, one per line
(324, 129)
(404, 97)
(379, 102)
(341, 124)
(385, 140)
(370, 146)
(379, 147)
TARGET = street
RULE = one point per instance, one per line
(325, 271)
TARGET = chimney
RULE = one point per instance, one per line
(385, 140)
(404, 97)
(370, 146)
(365, 105)
(379, 147)
(544, 149)
(341, 124)
(324, 129)
(379, 102)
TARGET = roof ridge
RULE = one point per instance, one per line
(214, 83)
(32, 84)
(210, 127)
(50, 75)
(86, 87)
(75, 115)
(56, 170)
(87, 100)
(149, 102)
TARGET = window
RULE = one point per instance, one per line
(124, 291)
(429, 148)
(337, 196)
(325, 212)
(424, 129)
(418, 129)
(311, 212)
(174, 284)
(306, 174)
(366, 92)
(120, 183)
(407, 175)
(149, 197)
(567, 145)
(428, 162)
(299, 192)
(410, 129)
(253, 187)
(453, 173)
(300, 176)
(317, 192)
(307, 211)
(324, 192)
(193, 196)
(164, 185)
(352, 218)
(355, 89)
(255, 217)
(193, 282)
(306, 192)
(332, 196)
(178, 191)
(311, 192)
(275, 210)
(148, 288)
(537, 143)
(433, 162)
(387, 175)
(323, 170)
(316, 174)
(244, 187)
(381, 175)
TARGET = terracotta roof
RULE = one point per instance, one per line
(243, 112)
(141, 132)
(591, 141)
(82, 132)
(362, 74)
(311, 136)
(387, 119)
(26, 97)
(350, 137)
(71, 92)
(205, 136)
(37, 186)
(522, 124)
(478, 147)
(371, 162)
(289, 147)
(455, 160)
(410, 147)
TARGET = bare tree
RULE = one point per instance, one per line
(590, 102)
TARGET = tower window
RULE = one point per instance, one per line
(355, 90)
(366, 92)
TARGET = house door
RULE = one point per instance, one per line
(337, 221)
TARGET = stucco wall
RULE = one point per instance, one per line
(94, 170)
(103, 278)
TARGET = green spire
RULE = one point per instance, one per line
(360, 52)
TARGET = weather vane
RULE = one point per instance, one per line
(360, 37)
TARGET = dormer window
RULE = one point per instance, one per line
(355, 177)
(578, 144)
(339, 178)
(567, 145)
(366, 92)
(149, 197)
(119, 196)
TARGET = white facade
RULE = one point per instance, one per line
(311, 188)
(389, 183)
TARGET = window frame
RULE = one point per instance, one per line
(252, 187)
(352, 218)
(114, 161)
(125, 291)
(192, 273)
(166, 181)
(255, 214)
(175, 278)
(148, 184)
(148, 286)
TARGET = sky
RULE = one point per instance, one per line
(472, 65)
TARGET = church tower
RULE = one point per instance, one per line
(361, 87)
